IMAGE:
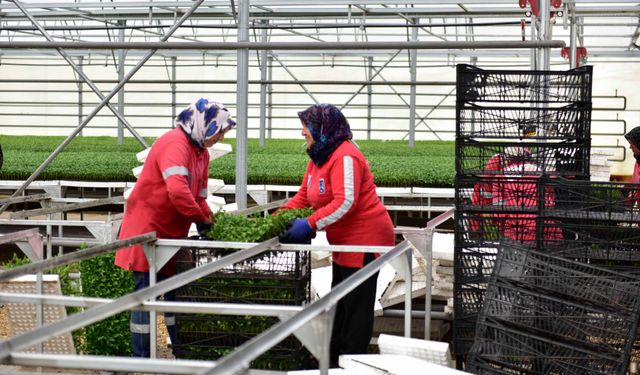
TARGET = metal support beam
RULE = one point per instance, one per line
(545, 34)
(78, 70)
(240, 359)
(263, 86)
(75, 256)
(315, 46)
(242, 102)
(82, 319)
(413, 71)
(120, 67)
(33, 238)
(105, 101)
(369, 75)
(370, 79)
(66, 208)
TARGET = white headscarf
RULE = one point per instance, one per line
(203, 120)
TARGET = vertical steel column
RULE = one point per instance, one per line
(174, 86)
(121, 58)
(270, 95)
(413, 56)
(534, 51)
(263, 85)
(572, 37)
(242, 113)
(80, 101)
(369, 95)
(545, 35)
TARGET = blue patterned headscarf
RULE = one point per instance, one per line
(328, 127)
(204, 119)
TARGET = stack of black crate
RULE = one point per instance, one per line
(548, 314)
(273, 278)
(514, 129)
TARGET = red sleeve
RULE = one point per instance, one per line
(345, 177)
(173, 164)
(300, 199)
(204, 188)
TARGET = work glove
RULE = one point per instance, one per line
(204, 227)
(298, 231)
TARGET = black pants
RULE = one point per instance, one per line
(353, 323)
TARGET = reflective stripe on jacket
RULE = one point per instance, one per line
(347, 206)
(167, 197)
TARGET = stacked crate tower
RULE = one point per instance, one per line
(514, 129)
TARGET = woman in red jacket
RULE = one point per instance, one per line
(170, 195)
(339, 185)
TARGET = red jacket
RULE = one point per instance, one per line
(519, 193)
(347, 206)
(169, 195)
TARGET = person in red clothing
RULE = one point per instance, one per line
(338, 184)
(170, 195)
(483, 192)
(633, 137)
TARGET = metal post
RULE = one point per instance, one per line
(121, 58)
(413, 56)
(369, 95)
(80, 102)
(263, 86)
(242, 113)
(545, 29)
(150, 251)
(174, 86)
(270, 96)
(428, 268)
(572, 37)
(534, 37)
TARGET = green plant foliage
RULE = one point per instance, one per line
(270, 288)
(102, 278)
(280, 161)
(238, 228)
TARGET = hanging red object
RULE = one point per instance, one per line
(581, 54)
(556, 4)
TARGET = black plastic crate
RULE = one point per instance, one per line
(502, 350)
(474, 265)
(275, 277)
(558, 317)
(547, 314)
(509, 123)
(502, 194)
(210, 337)
(597, 240)
(463, 338)
(467, 301)
(523, 86)
(576, 280)
(568, 159)
(488, 229)
(595, 201)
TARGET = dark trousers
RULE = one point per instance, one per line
(140, 326)
(353, 323)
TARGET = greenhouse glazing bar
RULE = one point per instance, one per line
(85, 78)
(285, 45)
(104, 101)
